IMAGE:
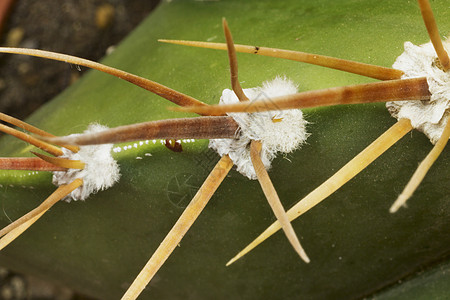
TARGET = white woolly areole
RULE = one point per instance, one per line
(427, 116)
(101, 170)
(279, 131)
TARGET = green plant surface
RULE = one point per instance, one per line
(356, 246)
(429, 284)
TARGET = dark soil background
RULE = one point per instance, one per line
(85, 28)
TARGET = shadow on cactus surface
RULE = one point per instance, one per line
(356, 247)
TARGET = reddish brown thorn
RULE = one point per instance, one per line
(13, 230)
(173, 145)
(32, 129)
(154, 87)
(392, 90)
(332, 184)
(61, 162)
(5, 8)
(433, 32)
(363, 69)
(184, 128)
(273, 199)
(32, 140)
(422, 170)
(180, 228)
(27, 163)
(236, 86)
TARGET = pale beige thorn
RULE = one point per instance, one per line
(274, 200)
(53, 150)
(180, 228)
(368, 70)
(433, 32)
(422, 170)
(31, 129)
(23, 125)
(236, 86)
(61, 162)
(48, 139)
(332, 184)
(15, 229)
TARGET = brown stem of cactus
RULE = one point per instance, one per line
(392, 90)
(193, 128)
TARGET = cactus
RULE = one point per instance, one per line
(356, 247)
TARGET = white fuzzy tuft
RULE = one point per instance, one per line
(428, 117)
(284, 135)
(101, 170)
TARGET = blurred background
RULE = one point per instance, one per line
(84, 28)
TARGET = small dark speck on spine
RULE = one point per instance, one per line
(256, 50)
